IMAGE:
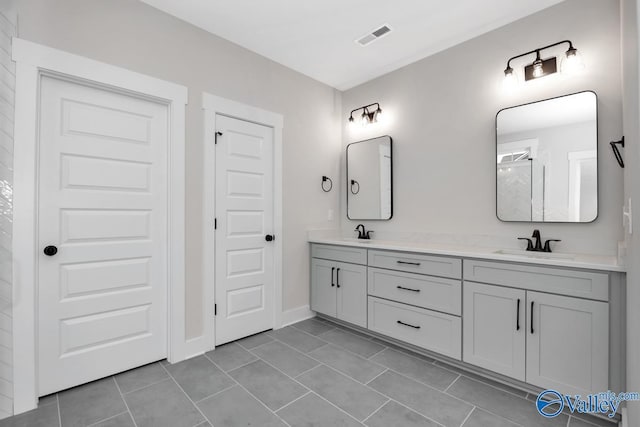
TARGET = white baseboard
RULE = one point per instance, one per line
(296, 315)
(195, 347)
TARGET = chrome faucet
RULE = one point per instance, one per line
(362, 234)
(538, 247)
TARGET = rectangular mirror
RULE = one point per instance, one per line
(369, 181)
(547, 160)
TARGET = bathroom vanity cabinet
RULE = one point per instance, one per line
(546, 326)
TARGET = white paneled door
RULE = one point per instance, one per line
(244, 241)
(102, 233)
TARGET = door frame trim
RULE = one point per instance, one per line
(32, 62)
(213, 105)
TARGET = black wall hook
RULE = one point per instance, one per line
(616, 151)
(326, 179)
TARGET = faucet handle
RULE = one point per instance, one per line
(368, 235)
(547, 246)
(529, 243)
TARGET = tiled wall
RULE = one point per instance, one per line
(7, 88)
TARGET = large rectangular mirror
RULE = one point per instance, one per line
(547, 160)
(369, 181)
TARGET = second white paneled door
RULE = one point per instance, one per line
(244, 288)
(102, 233)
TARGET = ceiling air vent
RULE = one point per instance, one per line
(374, 35)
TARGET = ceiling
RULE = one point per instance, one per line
(317, 38)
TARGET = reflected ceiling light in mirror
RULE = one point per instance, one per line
(571, 63)
(371, 113)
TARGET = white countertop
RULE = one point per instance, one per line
(591, 262)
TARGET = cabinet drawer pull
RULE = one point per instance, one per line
(406, 324)
(407, 289)
(518, 316)
(532, 317)
(332, 282)
(338, 277)
(417, 264)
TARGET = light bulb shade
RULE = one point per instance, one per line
(510, 79)
(572, 62)
(538, 69)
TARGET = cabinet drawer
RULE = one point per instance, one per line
(416, 263)
(430, 330)
(434, 293)
(584, 284)
(340, 253)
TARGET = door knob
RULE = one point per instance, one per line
(50, 250)
(269, 237)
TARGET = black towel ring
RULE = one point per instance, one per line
(355, 184)
(326, 179)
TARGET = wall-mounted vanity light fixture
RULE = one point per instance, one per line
(369, 114)
(571, 62)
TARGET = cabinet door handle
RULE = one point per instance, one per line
(332, 270)
(338, 277)
(417, 264)
(532, 317)
(406, 324)
(518, 316)
(407, 289)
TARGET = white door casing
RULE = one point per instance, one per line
(102, 203)
(244, 213)
(33, 63)
(214, 106)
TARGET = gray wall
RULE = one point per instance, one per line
(7, 89)
(631, 153)
(133, 35)
(442, 121)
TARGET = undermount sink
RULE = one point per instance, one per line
(530, 254)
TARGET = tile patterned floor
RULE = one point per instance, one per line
(314, 373)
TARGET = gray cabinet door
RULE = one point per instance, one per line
(351, 282)
(567, 343)
(323, 287)
(494, 328)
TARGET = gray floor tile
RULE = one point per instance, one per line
(235, 407)
(394, 414)
(255, 340)
(313, 326)
(477, 377)
(312, 411)
(481, 418)
(297, 339)
(348, 363)
(141, 377)
(430, 402)
(199, 378)
(283, 357)
(162, 405)
(419, 370)
(271, 386)
(347, 394)
(122, 420)
(230, 356)
(43, 416)
(363, 347)
(90, 403)
(48, 400)
(513, 408)
(583, 421)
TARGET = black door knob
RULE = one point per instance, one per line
(269, 237)
(50, 250)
